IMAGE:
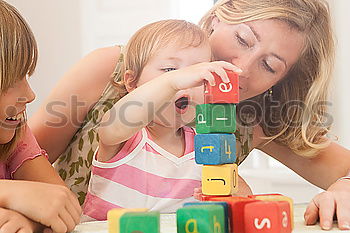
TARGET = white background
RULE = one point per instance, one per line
(66, 30)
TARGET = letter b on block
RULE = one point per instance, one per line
(215, 149)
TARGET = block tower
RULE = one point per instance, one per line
(215, 143)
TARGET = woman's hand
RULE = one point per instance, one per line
(54, 206)
(194, 75)
(13, 222)
(333, 201)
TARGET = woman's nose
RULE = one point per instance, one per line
(244, 63)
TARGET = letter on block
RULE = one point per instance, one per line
(200, 219)
(277, 197)
(215, 118)
(145, 222)
(215, 149)
(267, 217)
(219, 179)
(113, 217)
(223, 204)
(227, 93)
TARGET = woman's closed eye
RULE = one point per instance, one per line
(242, 41)
(267, 67)
(168, 69)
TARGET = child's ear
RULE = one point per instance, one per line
(215, 21)
(130, 80)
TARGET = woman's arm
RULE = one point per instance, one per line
(61, 115)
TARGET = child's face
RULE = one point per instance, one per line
(181, 110)
(12, 107)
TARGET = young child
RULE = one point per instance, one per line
(145, 157)
(25, 204)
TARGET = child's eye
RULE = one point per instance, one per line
(168, 69)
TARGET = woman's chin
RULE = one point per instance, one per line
(6, 135)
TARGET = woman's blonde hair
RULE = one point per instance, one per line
(302, 128)
(148, 40)
(17, 59)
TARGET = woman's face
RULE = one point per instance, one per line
(12, 108)
(265, 50)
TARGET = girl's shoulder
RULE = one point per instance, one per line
(27, 148)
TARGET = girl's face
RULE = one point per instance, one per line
(265, 50)
(181, 109)
(12, 108)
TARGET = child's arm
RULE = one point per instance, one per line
(131, 112)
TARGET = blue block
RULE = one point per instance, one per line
(226, 207)
(215, 149)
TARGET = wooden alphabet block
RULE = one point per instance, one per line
(203, 219)
(219, 179)
(227, 210)
(215, 149)
(113, 218)
(215, 118)
(145, 222)
(277, 197)
(227, 93)
(267, 217)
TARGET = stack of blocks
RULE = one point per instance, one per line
(219, 211)
(215, 143)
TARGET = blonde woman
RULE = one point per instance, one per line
(285, 51)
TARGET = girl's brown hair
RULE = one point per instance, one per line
(17, 59)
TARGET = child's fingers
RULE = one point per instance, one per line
(210, 78)
(222, 73)
(229, 66)
(58, 225)
(67, 219)
(10, 227)
(24, 230)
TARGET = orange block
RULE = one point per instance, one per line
(267, 217)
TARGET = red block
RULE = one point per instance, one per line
(268, 194)
(209, 197)
(236, 211)
(267, 217)
(227, 93)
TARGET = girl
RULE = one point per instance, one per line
(249, 34)
(24, 204)
(145, 154)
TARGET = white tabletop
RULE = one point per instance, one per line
(168, 224)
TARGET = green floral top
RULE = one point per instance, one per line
(74, 164)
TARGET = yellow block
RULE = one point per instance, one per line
(219, 179)
(279, 198)
(113, 217)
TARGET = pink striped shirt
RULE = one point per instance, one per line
(143, 175)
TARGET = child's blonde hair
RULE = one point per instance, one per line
(18, 58)
(148, 40)
(301, 129)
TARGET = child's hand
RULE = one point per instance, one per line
(324, 205)
(54, 206)
(243, 190)
(193, 76)
(13, 222)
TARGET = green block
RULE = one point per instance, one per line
(201, 219)
(140, 222)
(215, 118)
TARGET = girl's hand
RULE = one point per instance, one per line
(13, 222)
(54, 206)
(243, 190)
(194, 75)
(324, 205)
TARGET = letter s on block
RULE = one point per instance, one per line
(264, 222)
